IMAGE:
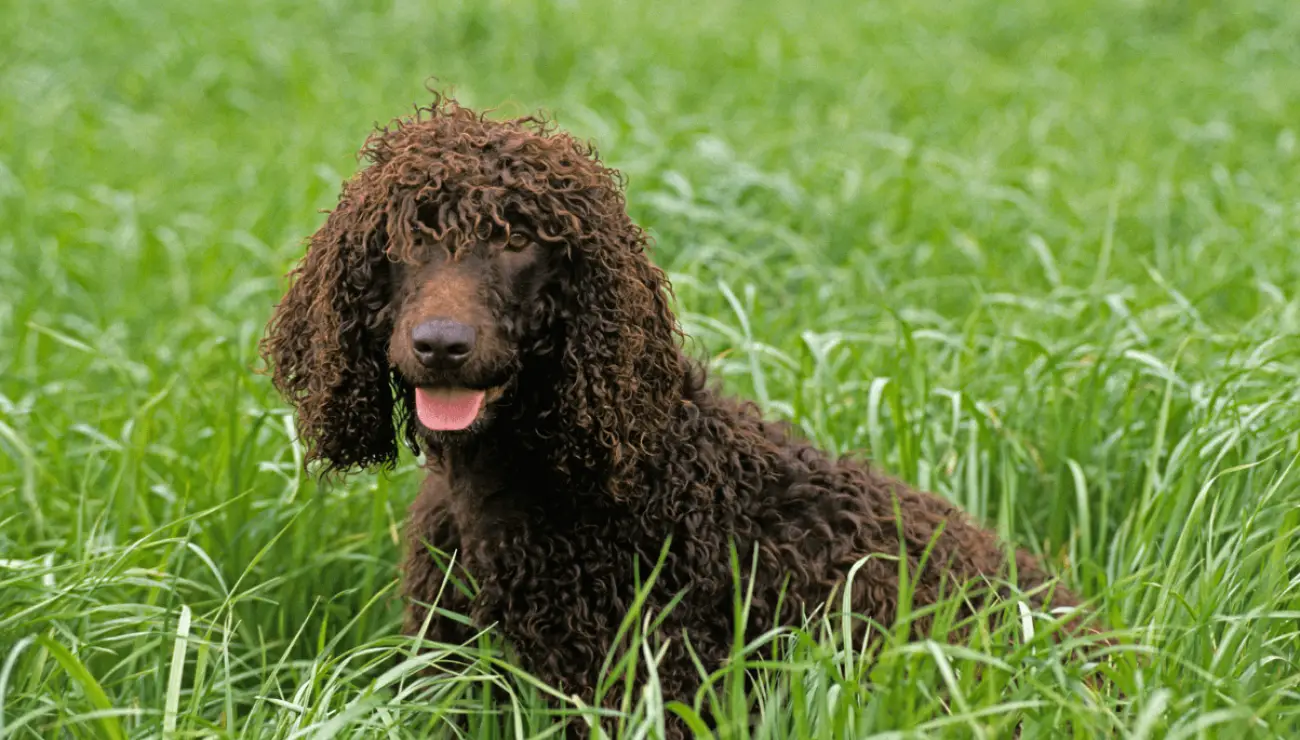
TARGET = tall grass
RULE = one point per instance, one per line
(1040, 258)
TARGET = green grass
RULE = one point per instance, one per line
(1043, 258)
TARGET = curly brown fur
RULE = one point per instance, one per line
(599, 438)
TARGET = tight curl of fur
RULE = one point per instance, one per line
(611, 441)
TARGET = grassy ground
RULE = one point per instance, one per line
(1042, 258)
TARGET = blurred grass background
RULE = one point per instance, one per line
(1041, 257)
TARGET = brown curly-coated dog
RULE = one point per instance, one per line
(481, 292)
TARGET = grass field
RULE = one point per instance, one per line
(1043, 258)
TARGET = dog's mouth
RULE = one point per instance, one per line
(451, 409)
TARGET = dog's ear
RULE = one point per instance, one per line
(327, 344)
(621, 359)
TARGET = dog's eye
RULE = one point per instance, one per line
(516, 242)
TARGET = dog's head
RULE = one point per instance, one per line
(477, 277)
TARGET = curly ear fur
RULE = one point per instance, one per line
(327, 343)
(621, 362)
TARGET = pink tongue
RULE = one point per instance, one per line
(447, 409)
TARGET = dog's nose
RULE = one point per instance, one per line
(442, 342)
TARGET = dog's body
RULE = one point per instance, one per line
(555, 564)
(481, 292)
